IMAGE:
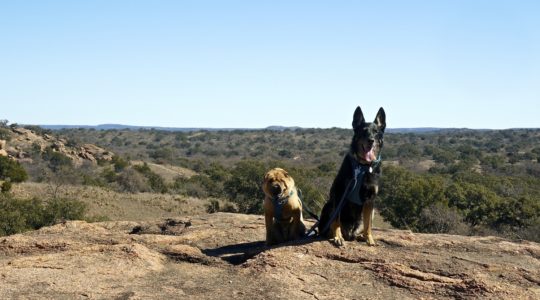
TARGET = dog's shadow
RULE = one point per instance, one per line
(237, 254)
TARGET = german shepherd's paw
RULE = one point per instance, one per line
(368, 238)
(370, 241)
(338, 241)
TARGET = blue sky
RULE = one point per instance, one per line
(452, 63)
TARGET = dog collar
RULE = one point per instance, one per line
(359, 171)
(369, 167)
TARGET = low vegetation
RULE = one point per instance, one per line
(448, 181)
(18, 215)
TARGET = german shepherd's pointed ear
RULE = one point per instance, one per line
(380, 119)
(358, 118)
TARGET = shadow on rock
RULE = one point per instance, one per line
(237, 254)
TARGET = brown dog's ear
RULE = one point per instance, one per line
(358, 118)
(380, 119)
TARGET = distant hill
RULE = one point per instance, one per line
(130, 127)
(424, 130)
(189, 129)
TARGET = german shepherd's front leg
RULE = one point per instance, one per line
(367, 216)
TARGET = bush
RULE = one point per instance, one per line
(11, 170)
(19, 215)
(156, 182)
(212, 207)
(163, 154)
(56, 160)
(132, 181)
(475, 201)
(404, 195)
(517, 213)
(6, 186)
(313, 186)
(531, 233)
(119, 163)
(438, 218)
(57, 210)
(5, 134)
(244, 188)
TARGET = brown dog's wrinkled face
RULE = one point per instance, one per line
(368, 137)
(277, 183)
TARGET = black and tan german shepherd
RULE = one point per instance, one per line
(357, 183)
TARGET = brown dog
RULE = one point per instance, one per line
(282, 208)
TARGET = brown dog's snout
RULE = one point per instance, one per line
(275, 189)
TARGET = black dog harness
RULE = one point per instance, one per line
(359, 173)
(352, 191)
(278, 203)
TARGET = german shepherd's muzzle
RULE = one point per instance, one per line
(357, 183)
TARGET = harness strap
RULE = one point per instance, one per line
(278, 203)
(304, 207)
(337, 210)
(312, 214)
(352, 194)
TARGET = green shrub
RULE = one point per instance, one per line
(58, 209)
(119, 163)
(109, 175)
(56, 160)
(6, 186)
(244, 188)
(11, 170)
(404, 195)
(517, 212)
(19, 215)
(156, 182)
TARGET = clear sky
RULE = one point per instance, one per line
(444, 63)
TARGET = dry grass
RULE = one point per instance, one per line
(378, 222)
(167, 172)
(118, 206)
(130, 207)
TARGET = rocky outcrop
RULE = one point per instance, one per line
(222, 256)
(24, 141)
(94, 153)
